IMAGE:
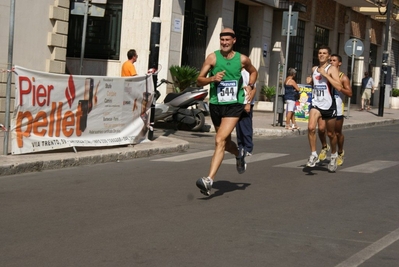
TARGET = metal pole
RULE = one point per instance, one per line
(287, 46)
(385, 57)
(9, 73)
(354, 41)
(154, 57)
(82, 52)
(276, 96)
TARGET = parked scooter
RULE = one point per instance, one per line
(185, 108)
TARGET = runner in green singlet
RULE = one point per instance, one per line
(222, 70)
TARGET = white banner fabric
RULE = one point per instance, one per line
(54, 111)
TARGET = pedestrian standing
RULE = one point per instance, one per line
(222, 71)
(368, 89)
(291, 88)
(128, 68)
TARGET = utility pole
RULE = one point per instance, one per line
(9, 75)
(82, 52)
(154, 57)
(385, 57)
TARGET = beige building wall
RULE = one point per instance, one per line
(136, 28)
(40, 39)
(136, 25)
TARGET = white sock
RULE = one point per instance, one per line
(210, 180)
(334, 155)
(314, 153)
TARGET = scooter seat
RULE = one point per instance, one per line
(169, 97)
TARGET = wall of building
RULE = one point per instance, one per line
(136, 26)
(40, 39)
(343, 24)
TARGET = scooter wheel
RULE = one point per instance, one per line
(199, 123)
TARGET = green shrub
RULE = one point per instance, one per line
(268, 91)
(395, 92)
(183, 77)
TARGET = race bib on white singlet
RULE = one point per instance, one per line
(227, 91)
(319, 91)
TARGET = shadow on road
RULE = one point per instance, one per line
(226, 187)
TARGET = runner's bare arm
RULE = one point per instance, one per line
(309, 79)
(332, 76)
(203, 78)
(346, 86)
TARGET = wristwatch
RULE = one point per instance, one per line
(251, 85)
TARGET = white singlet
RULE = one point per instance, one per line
(321, 93)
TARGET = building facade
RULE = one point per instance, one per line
(48, 36)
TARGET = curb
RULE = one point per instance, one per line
(304, 131)
(161, 145)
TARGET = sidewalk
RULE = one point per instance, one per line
(262, 123)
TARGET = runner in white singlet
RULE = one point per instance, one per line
(323, 107)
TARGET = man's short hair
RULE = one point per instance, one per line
(131, 53)
(325, 47)
(337, 56)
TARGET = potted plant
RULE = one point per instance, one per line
(183, 77)
(395, 99)
(266, 97)
(267, 93)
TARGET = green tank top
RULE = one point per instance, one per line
(229, 90)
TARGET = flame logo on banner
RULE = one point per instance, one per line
(70, 91)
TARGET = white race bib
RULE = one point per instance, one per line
(318, 91)
(227, 91)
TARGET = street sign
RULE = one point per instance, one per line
(294, 23)
(354, 47)
(95, 10)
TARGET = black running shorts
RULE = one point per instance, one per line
(330, 113)
(220, 111)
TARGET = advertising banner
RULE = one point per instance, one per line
(54, 111)
(301, 109)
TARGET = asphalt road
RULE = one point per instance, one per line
(148, 212)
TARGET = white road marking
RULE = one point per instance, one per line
(371, 250)
(186, 157)
(370, 167)
(256, 157)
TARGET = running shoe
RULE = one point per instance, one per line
(205, 185)
(332, 166)
(312, 161)
(323, 152)
(248, 154)
(340, 159)
(240, 162)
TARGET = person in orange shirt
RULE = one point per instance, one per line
(128, 68)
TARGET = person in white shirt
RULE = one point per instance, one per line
(368, 87)
(244, 128)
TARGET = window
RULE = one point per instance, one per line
(195, 31)
(243, 32)
(321, 38)
(103, 34)
(295, 54)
